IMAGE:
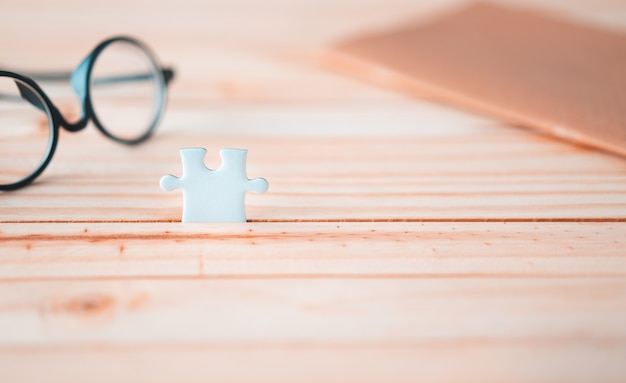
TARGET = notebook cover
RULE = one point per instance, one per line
(556, 76)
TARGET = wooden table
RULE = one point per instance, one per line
(400, 240)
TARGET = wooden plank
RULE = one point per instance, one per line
(277, 311)
(496, 175)
(317, 250)
(482, 360)
(532, 329)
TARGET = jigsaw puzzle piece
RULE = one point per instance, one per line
(214, 195)
(230, 184)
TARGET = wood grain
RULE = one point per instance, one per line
(515, 361)
(399, 240)
(482, 176)
(40, 251)
(409, 322)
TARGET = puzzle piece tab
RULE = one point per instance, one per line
(214, 195)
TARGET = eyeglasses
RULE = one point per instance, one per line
(121, 88)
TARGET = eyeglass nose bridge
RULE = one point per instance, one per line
(79, 80)
(57, 117)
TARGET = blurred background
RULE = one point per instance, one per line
(239, 63)
(235, 50)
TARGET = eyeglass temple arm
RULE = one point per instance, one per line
(28, 95)
(32, 98)
(168, 75)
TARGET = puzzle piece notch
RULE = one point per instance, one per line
(214, 195)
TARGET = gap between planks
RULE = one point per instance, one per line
(354, 220)
(261, 277)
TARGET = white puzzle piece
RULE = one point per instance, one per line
(214, 195)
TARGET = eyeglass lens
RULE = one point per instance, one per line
(127, 90)
(25, 130)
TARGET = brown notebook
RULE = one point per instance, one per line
(556, 76)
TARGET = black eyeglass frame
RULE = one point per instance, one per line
(80, 80)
